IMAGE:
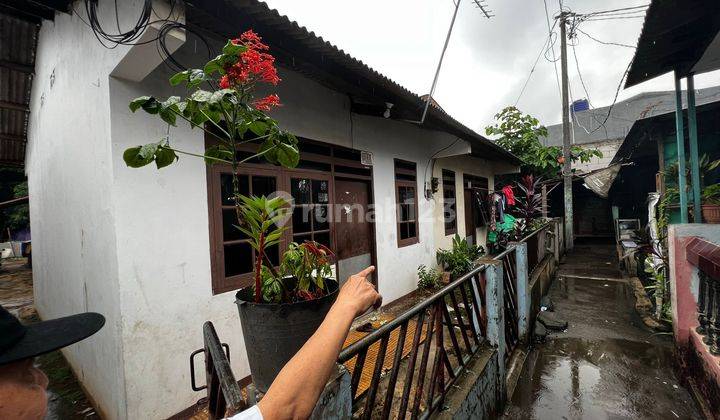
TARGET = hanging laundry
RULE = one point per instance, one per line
(509, 195)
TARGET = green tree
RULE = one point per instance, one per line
(18, 217)
(520, 134)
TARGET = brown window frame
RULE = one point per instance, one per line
(342, 162)
(406, 183)
(446, 174)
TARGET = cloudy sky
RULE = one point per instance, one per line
(488, 60)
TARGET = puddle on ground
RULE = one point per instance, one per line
(573, 378)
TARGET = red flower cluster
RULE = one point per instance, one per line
(253, 65)
(267, 103)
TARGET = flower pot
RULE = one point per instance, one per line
(711, 213)
(273, 332)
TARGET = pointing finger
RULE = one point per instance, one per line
(366, 272)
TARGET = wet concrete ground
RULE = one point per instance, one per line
(607, 365)
(66, 400)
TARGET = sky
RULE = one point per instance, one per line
(488, 60)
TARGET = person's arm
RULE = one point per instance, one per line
(297, 387)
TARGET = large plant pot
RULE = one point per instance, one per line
(273, 333)
(711, 213)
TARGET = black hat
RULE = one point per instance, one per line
(18, 342)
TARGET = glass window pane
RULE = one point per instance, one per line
(320, 217)
(274, 254)
(411, 230)
(230, 232)
(300, 189)
(403, 230)
(410, 193)
(226, 188)
(301, 219)
(323, 238)
(302, 237)
(238, 259)
(320, 191)
(263, 185)
(404, 212)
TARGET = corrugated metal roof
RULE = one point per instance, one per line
(674, 36)
(639, 143)
(302, 50)
(18, 39)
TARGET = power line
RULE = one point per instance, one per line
(604, 42)
(552, 45)
(542, 50)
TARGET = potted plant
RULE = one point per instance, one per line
(284, 305)
(282, 308)
(428, 278)
(458, 260)
(711, 203)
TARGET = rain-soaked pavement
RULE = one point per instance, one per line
(607, 365)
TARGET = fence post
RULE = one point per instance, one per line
(523, 289)
(494, 299)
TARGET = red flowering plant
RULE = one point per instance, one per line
(229, 110)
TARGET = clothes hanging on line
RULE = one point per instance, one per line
(509, 195)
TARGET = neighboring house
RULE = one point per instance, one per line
(153, 250)
(590, 130)
(651, 147)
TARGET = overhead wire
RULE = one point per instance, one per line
(148, 16)
(543, 50)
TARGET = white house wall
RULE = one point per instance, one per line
(72, 212)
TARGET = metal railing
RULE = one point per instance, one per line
(709, 312)
(540, 243)
(224, 397)
(510, 299)
(453, 318)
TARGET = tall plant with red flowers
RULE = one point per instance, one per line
(221, 101)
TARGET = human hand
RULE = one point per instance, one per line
(357, 295)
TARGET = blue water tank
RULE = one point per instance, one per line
(580, 105)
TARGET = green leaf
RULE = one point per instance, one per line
(136, 103)
(134, 159)
(196, 77)
(258, 127)
(165, 157)
(178, 78)
(201, 95)
(218, 152)
(148, 151)
(287, 155)
(214, 65)
(232, 49)
(220, 95)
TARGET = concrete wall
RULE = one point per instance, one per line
(132, 244)
(73, 217)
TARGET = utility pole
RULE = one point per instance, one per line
(567, 158)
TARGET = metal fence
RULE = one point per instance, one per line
(224, 397)
(709, 311)
(430, 369)
(510, 298)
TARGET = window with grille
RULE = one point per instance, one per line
(449, 202)
(406, 200)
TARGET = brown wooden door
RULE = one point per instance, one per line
(353, 229)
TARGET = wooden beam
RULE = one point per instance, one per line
(23, 68)
(14, 202)
(14, 106)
